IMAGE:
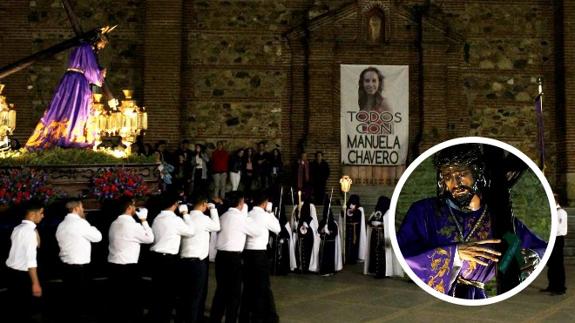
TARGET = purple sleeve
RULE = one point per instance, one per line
(434, 267)
(93, 73)
(84, 58)
(529, 240)
(431, 263)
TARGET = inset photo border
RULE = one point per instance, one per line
(443, 214)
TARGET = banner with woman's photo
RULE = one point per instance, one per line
(374, 114)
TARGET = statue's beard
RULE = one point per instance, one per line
(461, 196)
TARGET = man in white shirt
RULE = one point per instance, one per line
(22, 276)
(125, 236)
(168, 231)
(556, 266)
(257, 298)
(74, 236)
(194, 260)
(235, 226)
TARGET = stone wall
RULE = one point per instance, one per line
(226, 69)
(236, 72)
(507, 46)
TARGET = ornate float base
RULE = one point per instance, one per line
(76, 180)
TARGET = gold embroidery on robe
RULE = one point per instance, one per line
(56, 129)
(440, 263)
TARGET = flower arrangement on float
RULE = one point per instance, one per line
(21, 185)
(114, 183)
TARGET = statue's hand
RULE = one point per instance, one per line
(531, 260)
(474, 251)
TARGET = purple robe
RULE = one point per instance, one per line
(428, 239)
(64, 123)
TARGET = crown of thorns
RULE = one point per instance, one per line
(466, 155)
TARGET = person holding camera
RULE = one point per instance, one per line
(194, 260)
(75, 236)
(168, 231)
(125, 236)
(257, 304)
(235, 227)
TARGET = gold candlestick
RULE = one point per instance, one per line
(345, 183)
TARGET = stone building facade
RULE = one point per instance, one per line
(246, 71)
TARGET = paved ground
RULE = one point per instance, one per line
(352, 297)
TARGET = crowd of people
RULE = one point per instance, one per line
(213, 171)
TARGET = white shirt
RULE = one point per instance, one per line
(168, 229)
(198, 246)
(24, 244)
(562, 227)
(235, 225)
(264, 220)
(125, 237)
(74, 236)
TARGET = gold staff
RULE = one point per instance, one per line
(345, 183)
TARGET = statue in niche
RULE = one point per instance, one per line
(376, 28)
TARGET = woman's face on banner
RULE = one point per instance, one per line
(370, 82)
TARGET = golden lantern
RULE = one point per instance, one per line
(126, 120)
(131, 120)
(345, 183)
(97, 123)
(142, 119)
(7, 119)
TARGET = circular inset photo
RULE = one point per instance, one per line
(474, 221)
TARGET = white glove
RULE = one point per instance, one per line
(113, 103)
(183, 208)
(326, 230)
(211, 206)
(142, 213)
(269, 207)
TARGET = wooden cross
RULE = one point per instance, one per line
(80, 37)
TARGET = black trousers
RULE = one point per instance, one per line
(193, 277)
(304, 247)
(20, 299)
(199, 184)
(257, 298)
(164, 282)
(229, 286)
(204, 297)
(352, 242)
(75, 279)
(327, 256)
(377, 252)
(125, 293)
(556, 267)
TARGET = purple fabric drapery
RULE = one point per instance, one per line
(428, 239)
(64, 122)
